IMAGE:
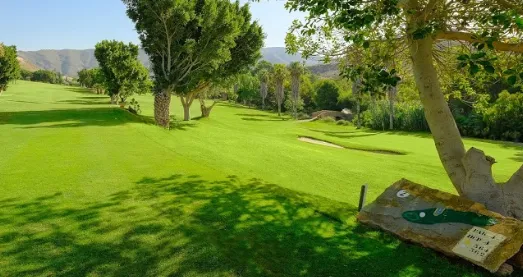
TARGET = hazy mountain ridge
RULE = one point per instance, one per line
(69, 62)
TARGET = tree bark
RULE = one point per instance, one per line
(186, 103)
(114, 99)
(358, 113)
(437, 112)
(471, 171)
(206, 111)
(356, 91)
(162, 103)
(392, 97)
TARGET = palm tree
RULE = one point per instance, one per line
(279, 75)
(264, 80)
(296, 69)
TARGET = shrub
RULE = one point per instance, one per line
(343, 122)
(327, 94)
(303, 116)
(408, 116)
(504, 119)
(327, 119)
(134, 107)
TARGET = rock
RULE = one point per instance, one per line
(505, 270)
(446, 223)
(517, 260)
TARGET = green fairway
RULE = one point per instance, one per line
(88, 189)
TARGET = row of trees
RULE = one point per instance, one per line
(43, 76)
(293, 89)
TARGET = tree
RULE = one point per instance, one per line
(9, 66)
(247, 87)
(85, 78)
(356, 92)
(193, 43)
(45, 76)
(279, 75)
(26, 74)
(481, 25)
(263, 70)
(123, 73)
(296, 70)
(327, 94)
(264, 76)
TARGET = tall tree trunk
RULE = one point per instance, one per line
(162, 102)
(206, 111)
(356, 91)
(186, 103)
(392, 97)
(114, 99)
(437, 112)
(471, 171)
(358, 112)
(263, 103)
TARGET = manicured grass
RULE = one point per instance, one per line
(89, 189)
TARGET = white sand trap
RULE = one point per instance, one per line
(319, 142)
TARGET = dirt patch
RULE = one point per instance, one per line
(330, 144)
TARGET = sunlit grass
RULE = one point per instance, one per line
(88, 189)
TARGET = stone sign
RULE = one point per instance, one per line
(447, 223)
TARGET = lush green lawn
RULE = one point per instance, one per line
(89, 189)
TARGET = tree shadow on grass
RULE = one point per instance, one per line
(70, 118)
(66, 118)
(345, 134)
(80, 90)
(259, 119)
(89, 101)
(188, 226)
(254, 115)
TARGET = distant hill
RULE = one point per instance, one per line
(69, 62)
(27, 65)
(325, 70)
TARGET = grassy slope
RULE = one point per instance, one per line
(88, 189)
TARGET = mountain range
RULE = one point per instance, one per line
(69, 62)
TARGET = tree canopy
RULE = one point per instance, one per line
(193, 43)
(122, 71)
(9, 66)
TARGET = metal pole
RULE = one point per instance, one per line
(363, 196)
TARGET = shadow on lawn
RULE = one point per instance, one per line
(181, 226)
(69, 118)
(80, 90)
(88, 101)
(66, 118)
(344, 134)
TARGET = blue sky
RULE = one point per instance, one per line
(80, 24)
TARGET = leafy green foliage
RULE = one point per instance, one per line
(46, 76)
(9, 66)
(91, 78)
(193, 42)
(26, 74)
(504, 118)
(327, 94)
(248, 86)
(123, 74)
(408, 116)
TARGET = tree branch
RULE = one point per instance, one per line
(468, 37)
